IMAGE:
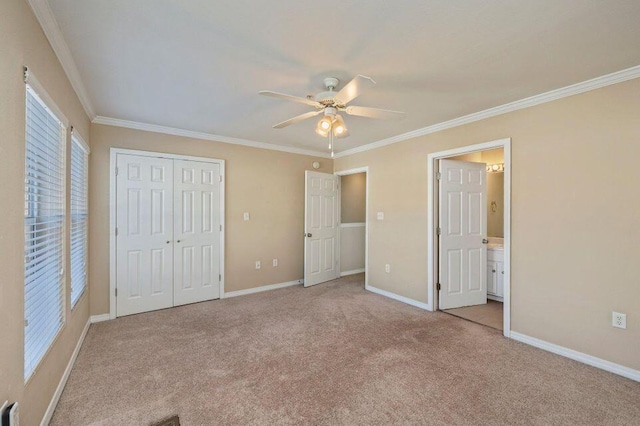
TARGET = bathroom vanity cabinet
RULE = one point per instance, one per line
(495, 274)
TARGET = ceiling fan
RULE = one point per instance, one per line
(330, 103)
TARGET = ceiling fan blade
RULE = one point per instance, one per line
(354, 88)
(383, 114)
(290, 98)
(296, 119)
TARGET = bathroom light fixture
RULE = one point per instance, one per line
(495, 168)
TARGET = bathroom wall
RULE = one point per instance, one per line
(495, 194)
(353, 217)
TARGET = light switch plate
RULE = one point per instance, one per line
(380, 215)
(275, 262)
(246, 216)
(258, 265)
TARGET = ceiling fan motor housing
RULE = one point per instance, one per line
(328, 98)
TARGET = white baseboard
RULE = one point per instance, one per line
(397, 297)
(593, 361)
(496, 298)
(261, 289)
(99, 318)
(65, 376)
(351, 272)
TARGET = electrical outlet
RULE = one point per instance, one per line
(246, 216)
(387, 268)
(258, 265)
(275, 262)
(380, 215)
(619, 320)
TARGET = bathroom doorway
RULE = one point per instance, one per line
(469, 239)
(353, 228)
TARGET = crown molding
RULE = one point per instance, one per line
(574, 89)
(47, 20)
(107, 121)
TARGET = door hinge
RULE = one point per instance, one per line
(116, 171)
(220, 178)
(219, 277)
(221, 227)
(116, 291)
(438, 175)
(438, 286)
(116, 231)
(438, 231)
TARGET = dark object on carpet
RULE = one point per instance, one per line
(172, 421)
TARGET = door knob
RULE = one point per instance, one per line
(485, 241)
(178, 241)
(309, 235)
(168, 242)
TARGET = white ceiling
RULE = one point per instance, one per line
(199, 64)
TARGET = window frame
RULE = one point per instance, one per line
(78, 141)
(36, 90)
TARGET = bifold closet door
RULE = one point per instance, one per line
(196, 232)
(144, 234)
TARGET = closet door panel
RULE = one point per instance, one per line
(144, 240)
(197, 231)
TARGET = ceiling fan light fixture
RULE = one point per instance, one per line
(339, 127)
(325, 123)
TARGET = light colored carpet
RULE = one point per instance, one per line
(330, 354)
(489, 314)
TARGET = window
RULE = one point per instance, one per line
(79, 216)
(44, 228)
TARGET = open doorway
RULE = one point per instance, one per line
(353, 229)
(469, 233)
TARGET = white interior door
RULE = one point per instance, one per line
(197, 231)
(321, 228)
(463, 227)
(144, 220)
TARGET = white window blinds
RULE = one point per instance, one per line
(44, 230)
(79, 216)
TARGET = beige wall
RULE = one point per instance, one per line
(353, 197)
(575, 221)
(267, 184)
(23, 43)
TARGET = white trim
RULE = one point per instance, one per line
(65, 376)
(563, 92)
(354, 171)
(107, 121)
(83, 144)
(262, 288)
(41, 93)
(351, 272)
(113, 154)
(99, 318)
(431, 225)
(397, 297)
(495, 298)
(591, 360)
(52, 31)
(353, 225)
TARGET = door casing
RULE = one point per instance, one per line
(113, 153)
(432, 242)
